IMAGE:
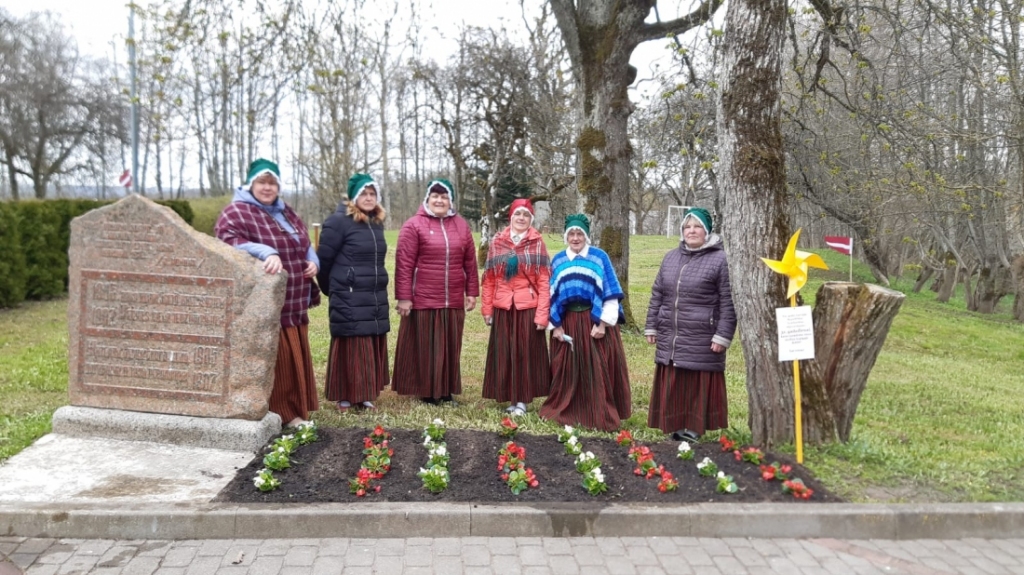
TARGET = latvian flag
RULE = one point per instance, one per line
(840, 244)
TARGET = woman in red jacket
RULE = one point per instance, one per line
(436, 284)
(515, 305)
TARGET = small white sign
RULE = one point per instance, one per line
(796, 333)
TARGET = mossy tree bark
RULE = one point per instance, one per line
(851, 322)
(600, 36)
(752, 177)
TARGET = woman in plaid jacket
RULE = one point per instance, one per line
(258, 222)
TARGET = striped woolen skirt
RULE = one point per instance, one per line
(517, 366)
(294, 393)
(589, 383)
(357, 368)
(685, 399)
(428, 352)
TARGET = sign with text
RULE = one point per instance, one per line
(796, 333)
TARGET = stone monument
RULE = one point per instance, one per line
(166, 320)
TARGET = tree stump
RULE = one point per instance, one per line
(851, 322)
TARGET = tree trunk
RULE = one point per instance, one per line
(752, 176)
(926, 274)
(851, 322)
(993, 282)
(948, 283)
(600, 36)
(1018, 288)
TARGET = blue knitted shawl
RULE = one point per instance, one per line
(585, 279)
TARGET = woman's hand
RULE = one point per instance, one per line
(717, 348)
(652, 339)
(558, 333)
(404, 307)
(597, 332)
(273, 265)
(310, 270)
(470, 302)
(540, 326)
(488, 319)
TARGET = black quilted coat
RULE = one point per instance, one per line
(352, 273)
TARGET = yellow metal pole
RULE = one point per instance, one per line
(796, 400)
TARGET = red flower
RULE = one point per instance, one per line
(737, 454)
(534, 483)
(727, 444)
(360, 492)
(638, 471)
(504, 476)
(662, 488)
(378, 430)
(665, 475)
(376, 488)
(786, 469)
(367, 442)
(624, 437)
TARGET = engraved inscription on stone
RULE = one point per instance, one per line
(165, 319)
(162, 334)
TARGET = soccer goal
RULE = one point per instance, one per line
(678, 211)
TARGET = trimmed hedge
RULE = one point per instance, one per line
(34, 241)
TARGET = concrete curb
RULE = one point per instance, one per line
(383, 520)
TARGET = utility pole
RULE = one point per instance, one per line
(135, 99)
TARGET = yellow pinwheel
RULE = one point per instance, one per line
(794, 265)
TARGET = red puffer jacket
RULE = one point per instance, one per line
(435, 262)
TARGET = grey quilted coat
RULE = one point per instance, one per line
(691, 307)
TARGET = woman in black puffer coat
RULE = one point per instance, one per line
(692, 321)
(352, 273)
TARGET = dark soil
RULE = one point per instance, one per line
(321, 470)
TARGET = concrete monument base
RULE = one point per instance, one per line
(183, 430)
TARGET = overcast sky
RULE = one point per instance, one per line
(100, 26)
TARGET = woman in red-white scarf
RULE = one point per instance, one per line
(515, 305)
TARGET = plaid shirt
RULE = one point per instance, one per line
(240, 222)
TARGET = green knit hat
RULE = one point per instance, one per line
(579, 222)
(702, 215)
(438, 185)
(262, 166)
(359, 182)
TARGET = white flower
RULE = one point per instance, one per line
(287, 437)
(596, 472)
(704, 463)
(438, 450)
(258, 481)
(684, 446)
(585, 457)
(280, 449)
(721, 474)
(569, 429)
(427, 441)
(438, 422)
(573, 440)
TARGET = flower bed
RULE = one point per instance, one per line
(327, 465)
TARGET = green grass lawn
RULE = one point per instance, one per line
(942, 418)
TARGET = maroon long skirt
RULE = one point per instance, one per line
(685, 399)
(428, 352)
(589, 382)
(357, 368)
(294, 393)
(518, 368)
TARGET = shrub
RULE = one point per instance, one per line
(12, 259)
(34, 241)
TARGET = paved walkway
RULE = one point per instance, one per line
(529, 556)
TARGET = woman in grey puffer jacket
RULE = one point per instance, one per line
(692, 321)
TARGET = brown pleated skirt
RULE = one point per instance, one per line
(685, 399)
(589, 383)
(428, 352)
(517, 368)
(357, 368)
(294, 393)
